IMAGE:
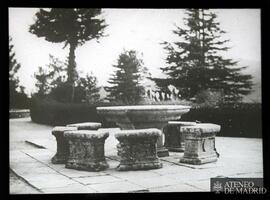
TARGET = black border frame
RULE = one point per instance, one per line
(227, 4)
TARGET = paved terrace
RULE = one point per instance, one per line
(32, 146)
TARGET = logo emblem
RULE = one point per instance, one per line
(217, 187)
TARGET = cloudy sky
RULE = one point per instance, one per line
(138, 29)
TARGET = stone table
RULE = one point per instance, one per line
(86, 150)
(62, 145)
(200, 143)
(143, 117)
(86, 125)
(174, 138)
(137, 149)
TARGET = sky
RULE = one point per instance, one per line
(139, 29)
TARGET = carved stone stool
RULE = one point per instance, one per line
(86, 125)
(200, 143)
(138, 149)
(86, 150)
(62, 145)
(174, 138)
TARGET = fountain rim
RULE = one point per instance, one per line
(144, 107)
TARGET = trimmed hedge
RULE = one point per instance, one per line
(237, 120)
(18, 101)
(59, 114)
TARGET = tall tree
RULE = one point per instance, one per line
(72, 27)
(14, 66)
(196, 62)
(126, 81)
(17, 96)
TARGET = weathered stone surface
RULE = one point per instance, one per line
(137, 149)
(62, 145)
(144, 116)
(174, 138)
(116, 187)
(86, 125)
(200, 143)
(86, 150)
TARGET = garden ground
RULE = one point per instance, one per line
(32, 146)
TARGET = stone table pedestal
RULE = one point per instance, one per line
(174, 138)
(200, 143)
(86, 150)
(138, 149)
(62, 145)
(86, 125)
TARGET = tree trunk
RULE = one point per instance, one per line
(203, 40)
(71, 70)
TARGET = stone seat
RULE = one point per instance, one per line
(181, 123)
(201, 129)
(200, 143)
(62, 146)
(138, 133)
(86, 150)
(86, 125)
(174, 138)
(137, 149)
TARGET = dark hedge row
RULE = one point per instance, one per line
(57, 114)
(241, 120)
(18, 101)
(236, 120)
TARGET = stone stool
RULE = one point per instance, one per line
(86, 125)
(138, 149)
(62, 145)
(200, 143)
(86, 150)
(174, 138)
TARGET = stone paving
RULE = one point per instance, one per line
(32, 146)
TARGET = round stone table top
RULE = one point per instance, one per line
(142, 116)
(144, 107)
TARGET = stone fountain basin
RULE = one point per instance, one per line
(142, 116)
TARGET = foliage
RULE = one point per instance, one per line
(236, 120)
(125, 83)
(73, 27)
(89, 85)
(196, 62)
(210, 98)
(51, 112)
(17, 96)
(52, 83)
(50, 77)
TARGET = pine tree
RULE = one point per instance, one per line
(89, 85)
(73, 27)
(17, 96)
(195, 62)
(126, 81)
(14, 66)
